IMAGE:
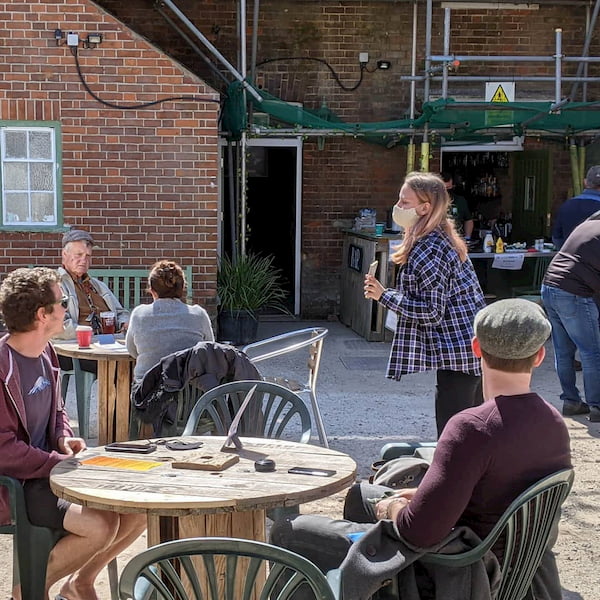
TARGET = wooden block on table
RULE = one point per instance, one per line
(213, 461)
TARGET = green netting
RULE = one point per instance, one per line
(470, 122)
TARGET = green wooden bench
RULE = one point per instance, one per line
(129, 285)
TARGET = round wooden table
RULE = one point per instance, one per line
(114, 385)
(181, 503)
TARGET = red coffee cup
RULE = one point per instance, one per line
(84, 335)
(107, 319)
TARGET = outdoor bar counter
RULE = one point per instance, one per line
(361, 248)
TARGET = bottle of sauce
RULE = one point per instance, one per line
(488, 243)
(499, 246)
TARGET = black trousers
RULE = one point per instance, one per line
(455, 391)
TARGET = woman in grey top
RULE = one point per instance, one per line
(168, 324)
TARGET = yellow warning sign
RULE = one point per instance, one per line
(500, 95)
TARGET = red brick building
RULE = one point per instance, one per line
(152, 172)
(142, 180)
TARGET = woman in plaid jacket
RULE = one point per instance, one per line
(436, 298)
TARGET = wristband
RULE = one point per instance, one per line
(389, 506)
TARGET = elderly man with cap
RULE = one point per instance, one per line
(576, 210)
(88, 297)
(485, 457)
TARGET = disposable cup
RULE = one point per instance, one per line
(107, 319)
(84, 335)
(379, 228)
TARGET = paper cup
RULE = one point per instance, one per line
(84, 335)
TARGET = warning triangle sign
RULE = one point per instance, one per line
(500, 95)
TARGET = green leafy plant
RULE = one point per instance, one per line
(250, 284)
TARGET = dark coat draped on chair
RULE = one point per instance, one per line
(204, 366)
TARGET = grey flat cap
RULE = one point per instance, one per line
(512, 328)
(77, 235)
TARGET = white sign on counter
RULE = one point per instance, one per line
(511, 262)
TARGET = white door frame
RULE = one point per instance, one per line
(272, 143)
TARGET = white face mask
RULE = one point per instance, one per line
(405, 217)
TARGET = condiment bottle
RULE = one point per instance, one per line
(488, 243)
(499, 246)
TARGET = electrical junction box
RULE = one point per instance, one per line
(72, 39)
(363, 58)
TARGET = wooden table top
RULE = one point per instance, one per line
(94, 352)
(168, 491)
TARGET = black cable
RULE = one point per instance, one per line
(322, 61)
(131, 106)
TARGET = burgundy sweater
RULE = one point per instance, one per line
(485, 457)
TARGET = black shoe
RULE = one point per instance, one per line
(594, 415)
(570, 409)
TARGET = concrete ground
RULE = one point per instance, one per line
(363, 410)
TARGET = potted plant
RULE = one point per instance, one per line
(246, 286)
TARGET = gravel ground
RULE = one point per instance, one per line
(363, 410)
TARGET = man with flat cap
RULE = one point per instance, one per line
(486, 457)
(576, 210)
(88, 297)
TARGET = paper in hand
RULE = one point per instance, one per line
(232, 436)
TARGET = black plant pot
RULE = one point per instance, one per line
(238, 327)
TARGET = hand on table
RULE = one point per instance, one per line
(71, 445)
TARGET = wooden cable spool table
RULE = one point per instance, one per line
(182, 502)
(114, 386)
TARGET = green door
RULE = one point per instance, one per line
(532, 195)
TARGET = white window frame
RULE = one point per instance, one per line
(53, 128)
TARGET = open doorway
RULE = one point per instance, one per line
(273, 200)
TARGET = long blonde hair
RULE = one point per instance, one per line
(429, 187)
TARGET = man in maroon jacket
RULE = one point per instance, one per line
(35, 435)
(485, 457)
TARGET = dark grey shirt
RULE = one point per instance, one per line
(576, 267)
(36, 387)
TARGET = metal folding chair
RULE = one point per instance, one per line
(292, 341)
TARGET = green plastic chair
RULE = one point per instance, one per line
(159, 570)
(272, 410)
(32, 546)
(83, 393)
(525, 528)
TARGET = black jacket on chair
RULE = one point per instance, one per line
(205, 366)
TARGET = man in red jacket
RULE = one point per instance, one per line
(36, 435)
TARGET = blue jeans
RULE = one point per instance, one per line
(575, 326)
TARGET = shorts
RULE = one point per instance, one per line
(44, 509)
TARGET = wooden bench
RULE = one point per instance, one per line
(130, 285)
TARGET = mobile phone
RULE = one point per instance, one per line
(135, 448)
(312, 471)
(373, 267)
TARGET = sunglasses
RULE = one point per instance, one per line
(64, 302)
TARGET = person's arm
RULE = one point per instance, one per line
(424, 283)
(459, 462)
(468, 228)
(130, 335)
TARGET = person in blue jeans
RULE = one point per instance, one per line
(570, 293)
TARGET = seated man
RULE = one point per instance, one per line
(35, 435)
(485, 457)
(88, 297)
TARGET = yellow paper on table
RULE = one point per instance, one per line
(129, 464)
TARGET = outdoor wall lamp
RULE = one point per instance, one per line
(384, 65)
(93, 40)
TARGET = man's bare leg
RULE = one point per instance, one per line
(131, 526)
(90, 531)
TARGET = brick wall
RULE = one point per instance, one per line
(349, 174)
(142, 181)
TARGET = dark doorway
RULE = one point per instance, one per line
(271, 208)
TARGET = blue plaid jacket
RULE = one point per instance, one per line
(436, 300)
